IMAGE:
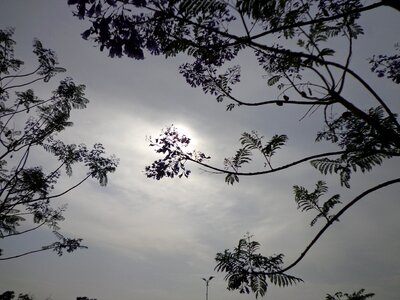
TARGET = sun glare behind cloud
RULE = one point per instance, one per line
(184, 129)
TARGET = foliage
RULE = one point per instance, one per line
(28, 190)
(171, 144)
(309, 201)
(248, 271)
(352, 133)
(10, 295)
(252, 141)
(304, 50)
(387, 65)
(360, 295)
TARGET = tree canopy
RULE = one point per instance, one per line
(28, 125)
(305, 49)
(10, 295)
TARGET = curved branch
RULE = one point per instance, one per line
(350, 53)
(297, 162)
(25, 231)
(335, 218)
(392, 3)
(57, 195)
(24, 84)
(385, 134)
(28, 108)
(26, 253)
(319, 54)
(12, 182)
(373, 93)
(321, 20)
(313, 100)
(240, 40)
(277, 101)
(19, 76)
(70, 189)
(50, 197)
(223, 171)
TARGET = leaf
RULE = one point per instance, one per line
(195, 7)
(274, 144)
(283, 280)
(231, 179)
(326, 52)
(310, 201)
(242, 157)
(85, 35)
(251, 140)
(273, 80)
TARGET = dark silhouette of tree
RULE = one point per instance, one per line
(10, 295)
(360, 295)
(296, 44)
(26, 189)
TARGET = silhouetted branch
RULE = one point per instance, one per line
(24, 254)
(294, 163)
(336, 217)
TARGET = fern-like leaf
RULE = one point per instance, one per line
(191, 7)
(242, 156)
(259, 286)
(284, 280)
(310, 201)
(248, 271)
(251, 140)
(273, 80)
(326, 165)
(274, 144)
(231, 178)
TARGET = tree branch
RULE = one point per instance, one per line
(336, 217)
(223, 171)
(321, 20)
(25, 231)
(26, 253)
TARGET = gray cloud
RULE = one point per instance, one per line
(155, 240)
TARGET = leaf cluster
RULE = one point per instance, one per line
(27, 189)
(8, 62)
(219, 85)
(10, 295)
(359, 295)
(248, 271)
(133, 27)
(205, 31)
(64, 244)
(310, 201)
(364, 146)
(252, 142)
(387, 65)
(171, 144)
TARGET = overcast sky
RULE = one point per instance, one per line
(155, 240)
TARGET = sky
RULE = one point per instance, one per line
(155, 240)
